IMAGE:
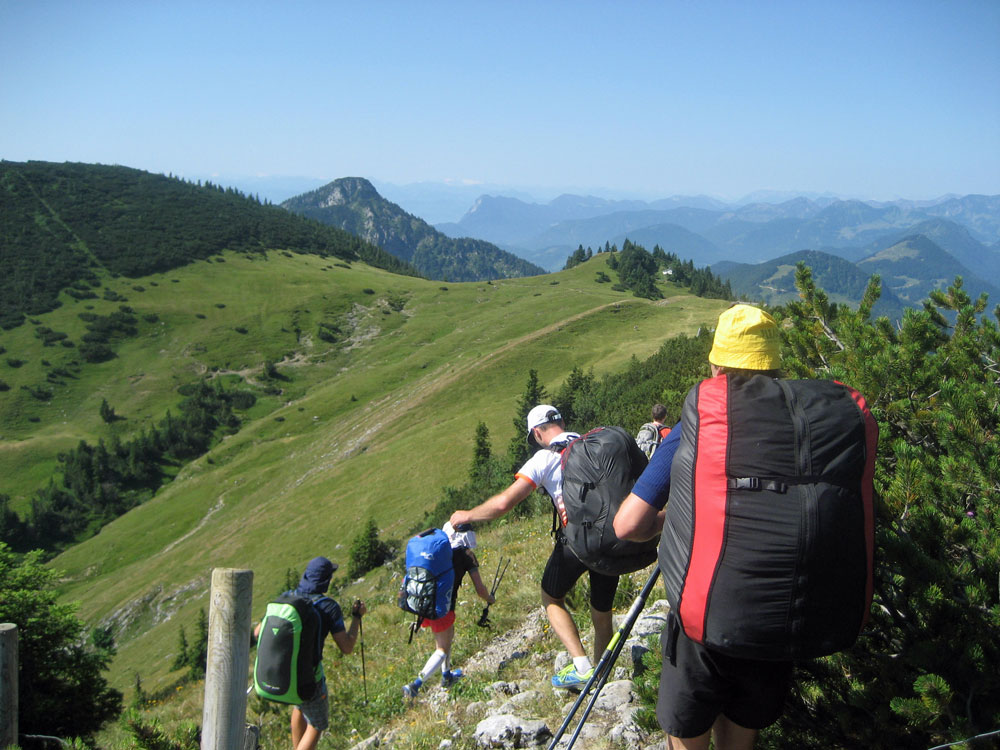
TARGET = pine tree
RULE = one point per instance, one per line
(183, 651)
(518, 451)
(197, 659)
(367, 551)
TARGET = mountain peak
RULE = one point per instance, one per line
(345, 191)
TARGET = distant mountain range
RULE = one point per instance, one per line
(967, 227)
(353, 204)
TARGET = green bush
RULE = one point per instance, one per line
(367, 551)
(61, 689)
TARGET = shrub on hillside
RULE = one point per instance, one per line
(367, 551)
(61, 689)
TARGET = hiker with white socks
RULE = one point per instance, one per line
(463, 541)
(547, 434)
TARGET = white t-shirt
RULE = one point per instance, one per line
(544, 469)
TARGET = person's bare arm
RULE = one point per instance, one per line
(496, 506)
(637, 520)
(477, 581)
(346, 639)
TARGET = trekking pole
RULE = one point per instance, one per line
(604, 666)
(361, 638)
(484, 621)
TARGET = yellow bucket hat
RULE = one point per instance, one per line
(746, 338)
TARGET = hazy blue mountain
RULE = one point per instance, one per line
(915, 265)
(954, 239)
(508, 221)
(979, 213)
(673, 238)
(840, 228)
(442, 202)
(353, 204)
(773, 281)
(797, 208)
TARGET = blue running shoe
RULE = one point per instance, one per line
(410, 691)
(568, 677)
(450, 678)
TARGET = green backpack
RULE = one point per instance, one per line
(288, 668)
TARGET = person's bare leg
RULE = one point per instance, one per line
(731, 736)
(603, 630)
(310, 738)
(701, 742)
(562, 623)
(299, 725)
(443, 641)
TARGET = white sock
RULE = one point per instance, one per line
(433, 663)
(582, 664)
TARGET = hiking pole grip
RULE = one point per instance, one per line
(616, 646)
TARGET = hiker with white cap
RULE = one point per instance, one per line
(463, 540)
(547, 433)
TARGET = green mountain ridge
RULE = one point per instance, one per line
(773, 282)
(914, 266)
(909, 269)
(61, 223)
(354, 205)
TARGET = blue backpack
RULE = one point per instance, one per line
(430, 576)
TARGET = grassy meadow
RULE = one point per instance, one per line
(373, 424)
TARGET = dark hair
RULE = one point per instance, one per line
(659, 412)
(750, 373)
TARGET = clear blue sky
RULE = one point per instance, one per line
(869, 99)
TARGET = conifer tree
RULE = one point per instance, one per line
(518, 451)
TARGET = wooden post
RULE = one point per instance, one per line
(8, 685)
(224, 716)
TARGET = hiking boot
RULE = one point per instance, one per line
(450, 678)
(568, 677)
(410, 690)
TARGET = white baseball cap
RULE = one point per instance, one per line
(459, 539)
(540, 415)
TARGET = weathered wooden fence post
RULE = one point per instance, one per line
(224, 716)
(8, 684)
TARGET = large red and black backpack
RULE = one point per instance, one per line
(598, 471)
(767, 546)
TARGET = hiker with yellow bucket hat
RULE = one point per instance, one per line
(766, 543)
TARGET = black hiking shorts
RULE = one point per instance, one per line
(564, 569)
(697, 684)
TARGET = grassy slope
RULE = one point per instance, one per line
(374, 430)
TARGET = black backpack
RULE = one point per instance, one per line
(767, 548)
(599, 470)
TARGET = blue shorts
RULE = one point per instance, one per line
(317, 710)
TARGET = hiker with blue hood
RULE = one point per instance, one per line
(312, 717)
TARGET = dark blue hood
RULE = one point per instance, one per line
(316, 579)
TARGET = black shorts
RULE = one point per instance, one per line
(697, 684)
(564, 569)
